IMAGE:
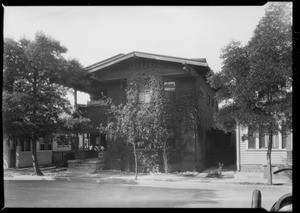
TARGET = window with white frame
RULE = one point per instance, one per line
(169, 88)
(42, 144)
(286, 137)
(260, 139)
(251, 139)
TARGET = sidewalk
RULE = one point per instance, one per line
(113, 176)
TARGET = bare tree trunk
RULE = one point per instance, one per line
(269, 162)
(34, 157)
(135, 161)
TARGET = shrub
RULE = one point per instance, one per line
(215, 173)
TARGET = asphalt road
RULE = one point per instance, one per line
(20, 193)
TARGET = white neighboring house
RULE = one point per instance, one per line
(17, 152)
(252, 152)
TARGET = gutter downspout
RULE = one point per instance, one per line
(238, 149)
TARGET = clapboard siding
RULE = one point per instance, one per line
(259, 156)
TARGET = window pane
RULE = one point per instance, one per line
(201, 91)
(289, 141)
(23, 141)
(263, 140)
(251, 142)
(284, 137)
(144, 97)
(276, 141)
(208, 99)
(251, 139)
(169, 86)
(27, 147)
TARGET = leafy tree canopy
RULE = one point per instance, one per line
(255, 83)
(33, 92)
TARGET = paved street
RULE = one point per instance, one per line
(43, 193)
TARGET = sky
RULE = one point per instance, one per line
(94, 33)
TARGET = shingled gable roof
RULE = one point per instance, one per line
(121, 57)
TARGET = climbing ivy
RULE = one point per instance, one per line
(148, 127)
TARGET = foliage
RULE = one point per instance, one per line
(255, 83)
(33, 101)
(216, 173)
(150, 126)
(148, 161)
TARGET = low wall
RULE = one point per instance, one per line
(58, 156)
(24, 159)
(263, 169)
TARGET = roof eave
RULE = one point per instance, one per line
(99, 66)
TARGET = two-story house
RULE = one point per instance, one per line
(109, 77)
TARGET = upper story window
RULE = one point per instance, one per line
(170, 88)
(201, 92)
(144, 94)
(208, 99)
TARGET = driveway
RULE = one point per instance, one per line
(55, 193)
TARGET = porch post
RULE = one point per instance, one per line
(75, 98)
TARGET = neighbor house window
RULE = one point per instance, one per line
(25, 144)
(275, 141)
(28, 145)
(48, 142)
(42, 145)
(144, 94)
(62, 140)
(169, 87)
(251, 139)
(264, 140)
(286, 137)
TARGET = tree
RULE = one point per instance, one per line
(255, 83)
(34, 96)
